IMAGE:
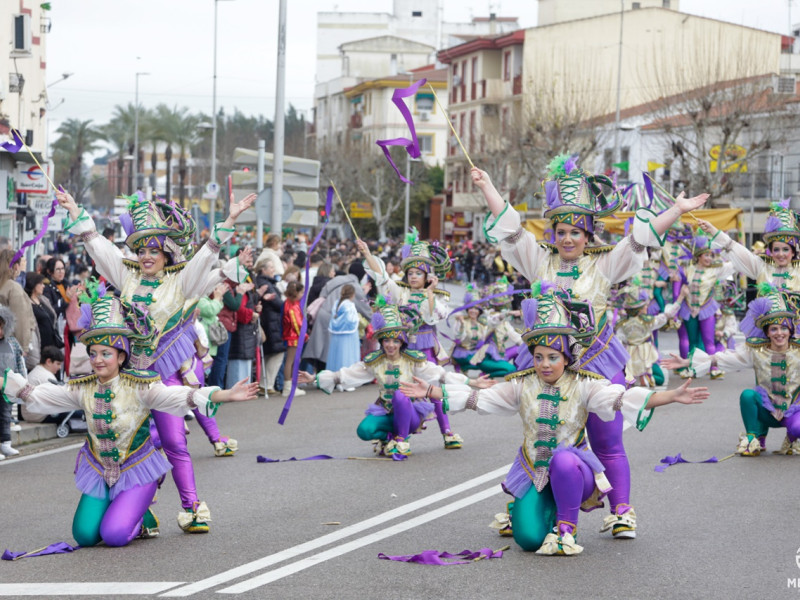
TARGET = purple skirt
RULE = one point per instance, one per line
(606, 356)
(146, 465)
(708, 310)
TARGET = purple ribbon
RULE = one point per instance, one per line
(668, 461)
(301, 342)
(411, 145)
(648, 187)
(15, 145)
(39, 235)
(57, 548)
(265, 459)
(434, 557)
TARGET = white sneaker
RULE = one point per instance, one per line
(297, 392)
(2, 457)
(7, 450)
(16, 427)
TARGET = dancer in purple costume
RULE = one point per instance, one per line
(423, 265)
(169, 287)
(394, 416)
(575, 198)
(118, 468)
(555, 473)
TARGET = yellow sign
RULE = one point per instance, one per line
(732, 157)
(360, 210)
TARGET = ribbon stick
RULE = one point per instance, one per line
(266, 459)
(453, 129)
(301, 342)
(335, 191)
(669, 461)
(57, 548)
(411, 145)
(434, 557)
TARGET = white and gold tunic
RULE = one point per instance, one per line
(388, 373)
(756, 267)
(777, 373)
(117, 414)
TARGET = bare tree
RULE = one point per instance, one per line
(727, 104)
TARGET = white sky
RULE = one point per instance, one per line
(106, 42)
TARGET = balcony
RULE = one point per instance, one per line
(356, 121)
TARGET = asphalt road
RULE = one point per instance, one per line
(314, 529)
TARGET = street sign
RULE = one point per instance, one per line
(263, 205)
(360, 210)
(31, 179)
(212, 190)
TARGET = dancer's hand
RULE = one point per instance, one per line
(68, 202)
(238, 393)
(237, 208)
(433, 281)
(483, 382)
(686, 205)
(707, 227)
(363, 248)
(686, 395)
(418, 389)
(676, 362)
(304, 377)
(480, 178)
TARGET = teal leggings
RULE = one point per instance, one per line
(493, 368)
(115, 522)
(532, 517)
(758, 420)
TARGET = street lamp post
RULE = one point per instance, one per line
(213, 207)
(136, 136)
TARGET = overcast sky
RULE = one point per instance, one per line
(106, 42)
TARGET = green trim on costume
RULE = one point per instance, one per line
(140, 376)
(445, 400)
(218, 228)
(81, 217)
(490, 238)
(659, 238)
(641, 422)
(3, 389)
(211, 406)
(316, 382)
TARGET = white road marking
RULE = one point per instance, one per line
(311, 561)
(330, 538)
(18, 459)
(106, 589)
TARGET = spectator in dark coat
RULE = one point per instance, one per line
(273, 348)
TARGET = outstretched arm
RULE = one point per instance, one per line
(682, 206)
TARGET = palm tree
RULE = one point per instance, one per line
(77, 138)
(119, 132)
(177, 127)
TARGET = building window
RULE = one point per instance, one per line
(608, 157)
(416, 13)
(636, 5)
(665, 3)
(424, 102)
(625, 157)
(507, 66)
(426, 144)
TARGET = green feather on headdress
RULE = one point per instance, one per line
(536, 289)
(636, 280)
(380, 301)
(92, 291)
(503, 280)
(133, 201)
(412, 237)
(556, 167)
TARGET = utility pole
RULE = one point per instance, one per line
(276, 221)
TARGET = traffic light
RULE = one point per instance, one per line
(323, 214)
(246, 169)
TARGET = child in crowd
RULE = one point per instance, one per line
(292, 320)
(344, 347)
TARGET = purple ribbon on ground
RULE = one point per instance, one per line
(668, 461)
(38, 236)
(411, 145)
(57, 548)
(15, 145)
(434, 557)
(301, 342)
(266, 459)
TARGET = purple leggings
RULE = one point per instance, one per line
(115, 522)
(606, 440)
(707, 327)
(403, 420)
(441, 417)
(170, 434)
(572, 482)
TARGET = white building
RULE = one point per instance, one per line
(24, 25)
